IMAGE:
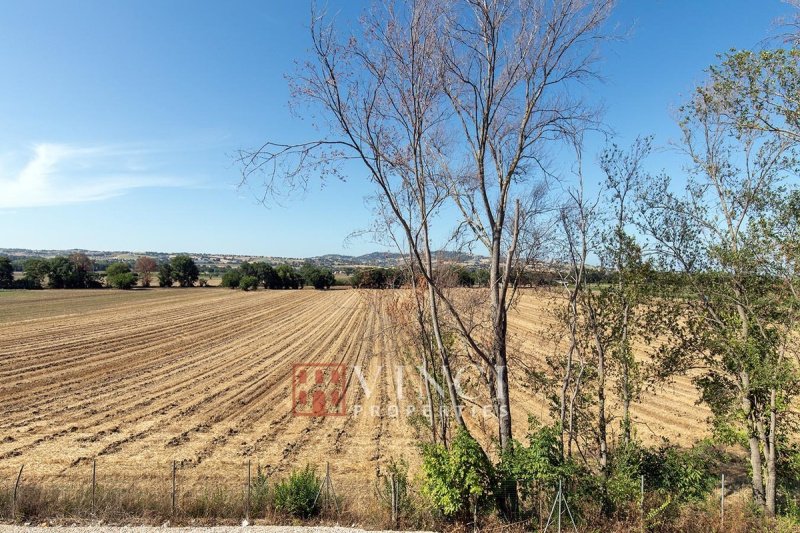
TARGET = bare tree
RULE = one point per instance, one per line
(738, 310)
(456, 101)
(380, 93)
(508, 70)
(145, 267)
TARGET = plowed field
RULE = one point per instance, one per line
(204, 377)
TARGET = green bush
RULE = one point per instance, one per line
(248, 283)
(298, 495)
(119, 276)
(453, 477)
(231, 278)
(687, 474)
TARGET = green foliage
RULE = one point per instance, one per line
(788, 490)
(248, 283)
(267, 276)
(73, 272)
(319, 278)
(165, 278)
(539, 463)
(481, 277)
(119, 275)
(184, 270)
(452, 477)
(686, 475)
(298, 495)
(231, 278)
(36, 271)
(61, 274)
(6, 273)
(288, 278)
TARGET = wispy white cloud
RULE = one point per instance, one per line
(57, 174)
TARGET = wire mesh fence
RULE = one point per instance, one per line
(233, 491)
(157, 491)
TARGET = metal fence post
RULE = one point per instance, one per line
(174, 471)
(94, 483)
(16, 489)
(249, 482)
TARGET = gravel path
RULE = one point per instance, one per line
(155, 529)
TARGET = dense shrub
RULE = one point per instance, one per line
(248, 283)
(686, 474)
(231, 278)
(298, 494)
(119, 276)
(453, 477)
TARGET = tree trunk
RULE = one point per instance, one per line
(426, 350)
(626, 378)
(771, 455)
(602, 433)
(757, 481)
(437, 333)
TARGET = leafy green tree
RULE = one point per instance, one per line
(248, 283)
(758, 90)
(287, 276)
(62, 273)
(165, 278)
(119, 276)
(184, 270)
(739, 312)
(36, 271)
(231, 278)
(248, 269)
(265, 275)
(6, 273)
(319, 278)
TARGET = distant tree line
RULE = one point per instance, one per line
(78, 271)
(248, 276)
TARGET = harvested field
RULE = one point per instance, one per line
(138, 379)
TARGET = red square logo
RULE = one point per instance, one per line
(318, 389)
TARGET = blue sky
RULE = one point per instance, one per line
(119, 120)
